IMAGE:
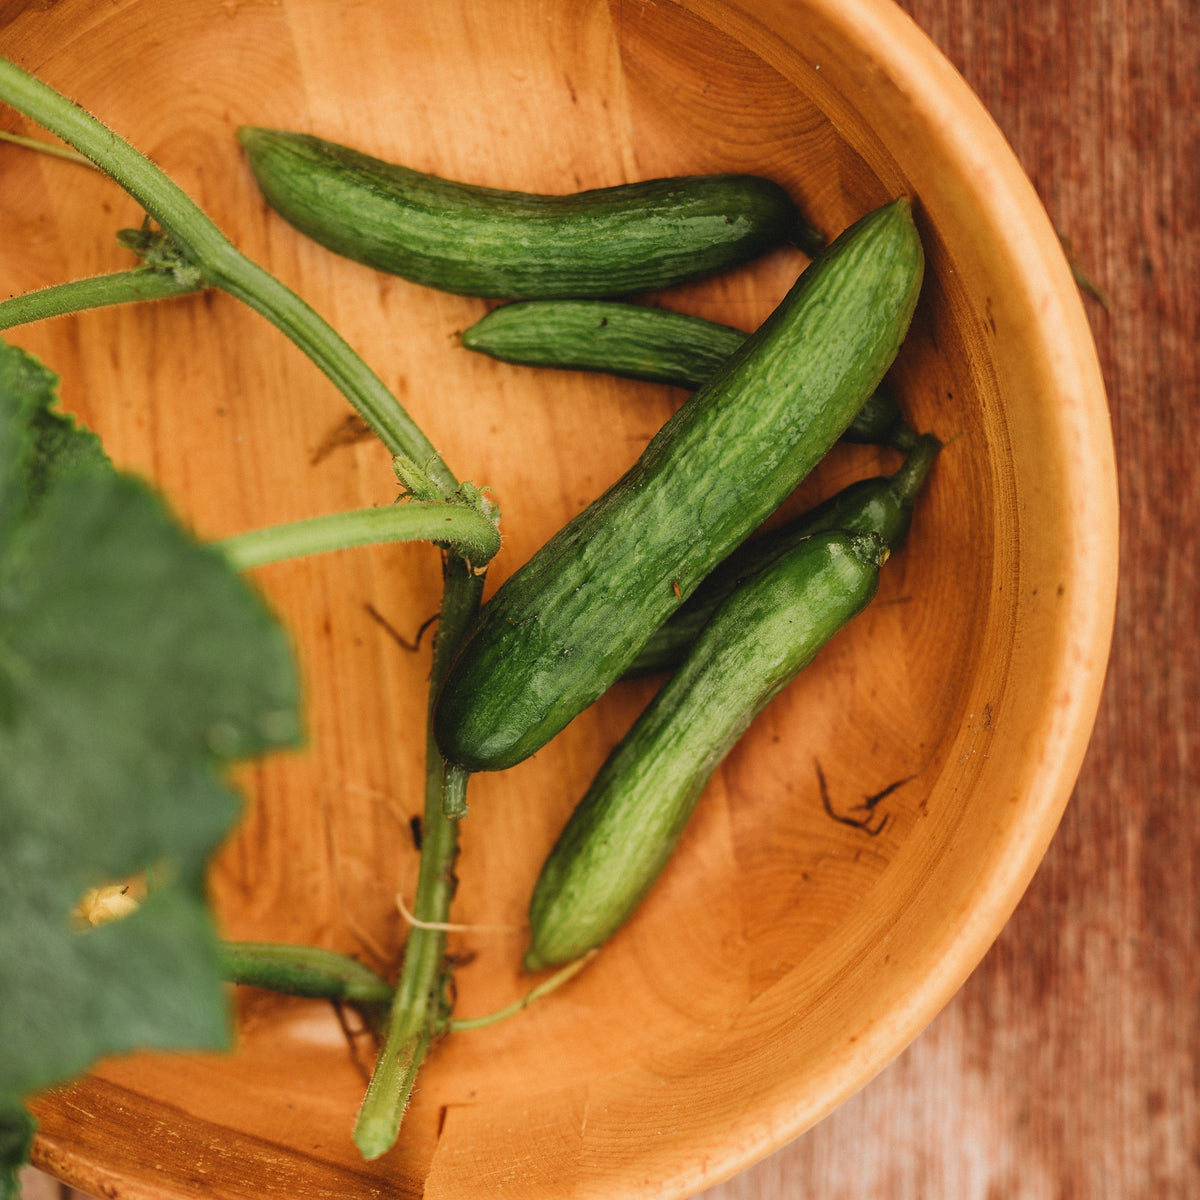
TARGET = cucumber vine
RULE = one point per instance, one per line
(183, 251)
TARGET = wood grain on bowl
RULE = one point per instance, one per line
(786, 955)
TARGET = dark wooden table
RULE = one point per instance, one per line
(1067, 1068)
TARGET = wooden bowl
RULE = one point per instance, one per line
(786, 955)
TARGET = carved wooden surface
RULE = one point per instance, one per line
(1066, 1067)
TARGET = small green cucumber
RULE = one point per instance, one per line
(883, 505)
(480, 241)
(621, 834)
(310, 971)
(640, 342)
(633, 340)
(569, 622)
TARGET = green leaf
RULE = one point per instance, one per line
(134, 665)
(16, 1140)
(38, 444)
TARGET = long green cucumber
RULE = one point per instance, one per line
(569, 622)
(481, 241)
(640, 342)
(624, 829)
(883, 504)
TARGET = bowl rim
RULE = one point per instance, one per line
(946, 112)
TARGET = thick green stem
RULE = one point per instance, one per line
(458, 525)
(98, 291)
(222, 265)
(418, 1010)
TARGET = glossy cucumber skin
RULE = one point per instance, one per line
(637, 341)
(567, 624)
(883, 504)
(624, 829)
(479, 241)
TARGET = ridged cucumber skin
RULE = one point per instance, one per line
(883, 504)
(569, 622)
(631, 340)
(480, 241)
(637, 341)
(621, 834)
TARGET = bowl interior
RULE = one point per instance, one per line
(856, 853)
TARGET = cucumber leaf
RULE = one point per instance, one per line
(135, 664)
(37, 442)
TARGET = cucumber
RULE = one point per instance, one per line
(639, 342)
(479, 241)
(633, 340)
(882, 505)
(569, 622)
(624, 829)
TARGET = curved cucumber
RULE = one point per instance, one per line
(571, 620)
(481, 241)
(640, 342)
(882, 505)
(624, 829)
